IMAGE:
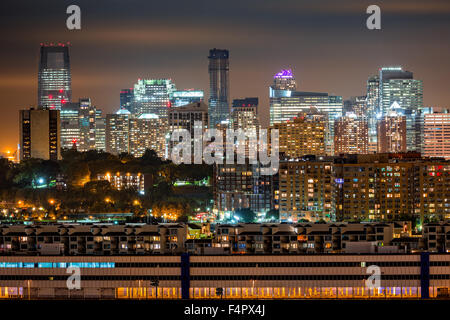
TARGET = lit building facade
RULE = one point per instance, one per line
(244, 114)
(399, 87)
(184, 97)
(70, 128)
(147, 131)
(242, 186)
(387, 187)
(373, 110)
(302, 135)
(275, 261)
(392, 133)
(40, 132)
(117, 132)
(372, 187)
(351, 134)
(356, 105)
(82, 125)
(436, 135)
(219, 92)
(153, 96)
(285, 104)
(54, 77)
(123, 181)
(127, 99)
(185, 117)
(306, 189)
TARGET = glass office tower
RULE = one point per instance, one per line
(398, 86)
(153, 96)
(286, 103)
(219, 110)
(54, 78)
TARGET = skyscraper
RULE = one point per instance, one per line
(398, 86)
(70, 127)
(302, 135)
(82, 124)
(54, 77)
(436, 135)
(153, 96)
(40, 134)
(185, 117)
(285, 104)
(372, 109)
(392, 131)
(244, 114)
(218, 86)
(147, 131)
(127, 99)
(351, 134)
(356, 105)
(117, 132)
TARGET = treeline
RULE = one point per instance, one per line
(70, 185)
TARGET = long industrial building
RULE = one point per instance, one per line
(326, 276)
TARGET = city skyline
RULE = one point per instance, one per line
(318, 65)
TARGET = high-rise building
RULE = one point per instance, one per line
(244, 114)
(242, 186)
(184, 97)
(82, 124)
(135, 133)
(392, 131)
(371, 187)
(147, 131)
(398, 86)
(306, 189)
(436, 135)
(100, 131)
(373, 110)
(219, 109)
(127, 99)
(153, 96)
(356, 105)
(117, 132)
(385, 187)
(184, 117)
(302, 135)
(40, 134)
(351, 134)
(86, 117)
(54, 77)
(285, 104)
(70, 127)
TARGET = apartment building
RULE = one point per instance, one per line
(372, 187)
(306, 189)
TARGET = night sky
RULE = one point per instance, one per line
(325, 42)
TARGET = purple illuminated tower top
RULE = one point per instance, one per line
(284, 74)
(284, 80)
